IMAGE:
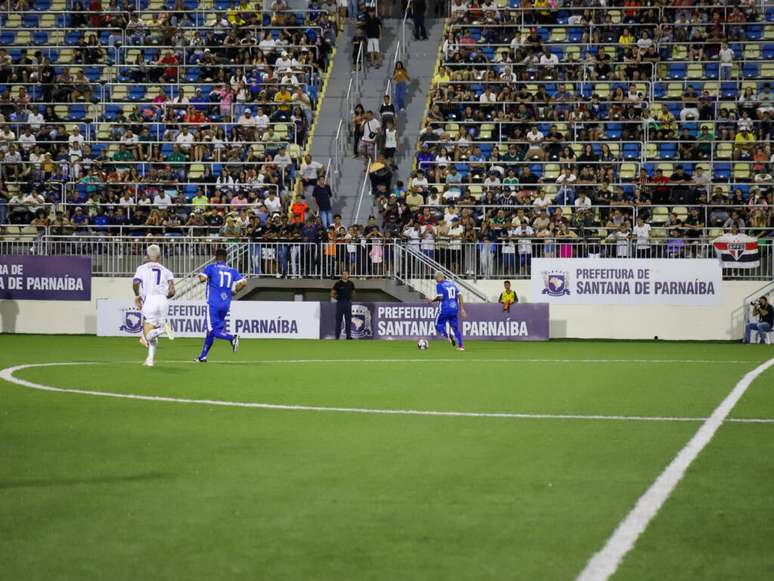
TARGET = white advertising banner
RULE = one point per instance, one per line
(248, 319)
(635, 281)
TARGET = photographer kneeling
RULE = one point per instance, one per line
(765, 313)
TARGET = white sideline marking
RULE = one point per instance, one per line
(604, 564)
(457, 360)
(8, 375)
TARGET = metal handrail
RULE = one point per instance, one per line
(366, 182)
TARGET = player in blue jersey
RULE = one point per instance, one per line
(222, 283)
(451, 307)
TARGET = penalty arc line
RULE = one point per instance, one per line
(7, 374)
(605, 563)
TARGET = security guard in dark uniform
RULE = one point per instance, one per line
(342, 291)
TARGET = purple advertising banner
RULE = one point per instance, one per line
(45, 278)
(489, 322)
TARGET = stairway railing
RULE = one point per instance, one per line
(416, 270)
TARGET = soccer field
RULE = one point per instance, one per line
(307, 460)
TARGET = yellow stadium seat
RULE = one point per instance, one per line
(558, 34)
(679, 52)
(602, 89)
(674, 90)
(13, 20)
(651, 151)
(658, 233)
(294, 151)
(767, 69)
(551, 171)
(475, 191)
(724, 150)
(615, 15)
(667, 168)
(694, 71)
(660, 215)
(572, 54)
(196, 171)
(681, 212)
(741, 171)
(752, 51)
(23, 38)
(628, 171)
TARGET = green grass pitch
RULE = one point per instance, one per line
(95, 488)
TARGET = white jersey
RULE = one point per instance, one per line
(154, 279)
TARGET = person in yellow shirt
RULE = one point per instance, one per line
(743, 144)
(626, 37)
(508, 297)
(283, 97)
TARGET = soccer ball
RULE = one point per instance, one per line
(422, 344)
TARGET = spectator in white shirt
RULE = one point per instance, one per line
(535, 138)
(488, 96)
(726, 57)
(27, 139)
(582, 202)
(162, 200)
(309, 171)
(185, 139)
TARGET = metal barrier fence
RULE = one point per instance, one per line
(368, 258)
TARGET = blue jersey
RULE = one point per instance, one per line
(448, 292)
(220, 282)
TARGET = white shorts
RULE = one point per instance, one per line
(373, 45)
(155, 310)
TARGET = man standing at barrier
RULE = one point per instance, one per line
(342, 293)
(222, 283)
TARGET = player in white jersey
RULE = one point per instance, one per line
(153, 285)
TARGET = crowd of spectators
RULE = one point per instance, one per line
(571, 122)
(205, 112)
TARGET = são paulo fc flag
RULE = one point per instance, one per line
(737, 250)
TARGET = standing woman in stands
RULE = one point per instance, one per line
(400, 79)
(357, 124)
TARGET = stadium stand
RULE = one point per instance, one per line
(567, 123)
(556, 128)
(148, 117)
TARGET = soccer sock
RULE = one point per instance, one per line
(224, 336)
(208, 341)
(152, 344)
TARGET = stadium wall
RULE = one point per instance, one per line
(722, 322)
(671, 322)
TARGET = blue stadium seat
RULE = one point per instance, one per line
(631, 151)
(750, 71)
(667, 151)
(722, 171)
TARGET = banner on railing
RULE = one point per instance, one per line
(45, 278)
(417, 321)
(594, 281)
(737, 251)
(248, 319)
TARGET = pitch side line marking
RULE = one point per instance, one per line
(8, 375)
(604, 564)
(458, 360)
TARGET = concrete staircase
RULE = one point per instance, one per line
(420, 63)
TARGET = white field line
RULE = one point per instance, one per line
(457, 360)
(8, 375)
(604, 564)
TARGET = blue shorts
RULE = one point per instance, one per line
(216, 317)
(444, 317)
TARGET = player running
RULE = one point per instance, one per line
(451, 305)
(153, 286)
(222, 283)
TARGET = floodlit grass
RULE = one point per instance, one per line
(96, 488)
